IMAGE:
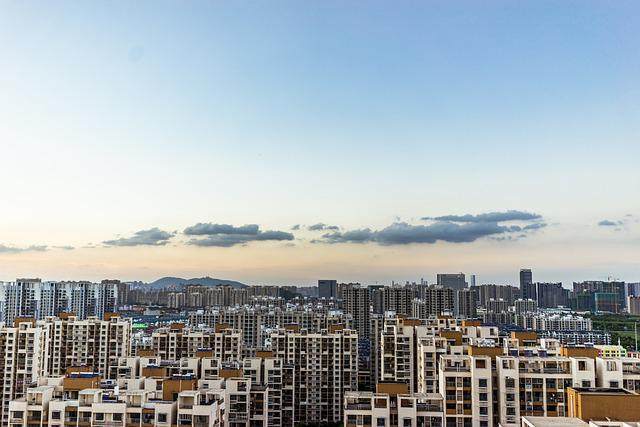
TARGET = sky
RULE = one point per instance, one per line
(283, 142)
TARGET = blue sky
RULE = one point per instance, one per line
(121, 117)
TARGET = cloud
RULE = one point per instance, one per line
(449, 228)
(204, 229)
(64, 248)
(608, 223)
(322, 227)
(151, 237)
(402, 233)
(295, 227)
(15, 249)
(225, 235)
(534, 226)
(511, 215)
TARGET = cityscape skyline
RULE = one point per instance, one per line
(279, 144)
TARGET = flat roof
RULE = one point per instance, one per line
(555, 422)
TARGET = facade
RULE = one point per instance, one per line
(356, 301)
(452, 280)
(436, 300)
(326, 366)
(527, 290)
(466, 306)
(36, 299)
(328, 289)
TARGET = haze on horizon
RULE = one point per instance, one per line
(283, 142)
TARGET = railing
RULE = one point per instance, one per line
(428, 407)
(457, 369)
(358, 406)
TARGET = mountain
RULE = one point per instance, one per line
(178, 282)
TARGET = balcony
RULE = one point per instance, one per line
(457, 369)
(358, 406)
(428, 407)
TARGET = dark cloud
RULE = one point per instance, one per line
(534, 226)
(151, 237)
(225, 235)
(15, 249)
(402, 233)
(206, 229)
(511, 215)
(295, 227)
(608, 223)
(322, 227)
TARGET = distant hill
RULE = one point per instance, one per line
(178, 282)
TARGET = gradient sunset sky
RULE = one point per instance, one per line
(282, 142)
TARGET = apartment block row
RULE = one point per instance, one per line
(256, 322)
(37, 299)
(31, 350)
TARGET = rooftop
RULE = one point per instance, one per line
(554, 422)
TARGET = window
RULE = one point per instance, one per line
(482, 382)
(481, 363)
(582, 365)
(482, 397)
(117, 417)
(162, 418)
(55, 415)
(381, 422)
(99, 416)
(586, 383)
(483, 410)
(614, 384)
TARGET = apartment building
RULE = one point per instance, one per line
(256, 322)
(356, 301)
(434, 301)
(326, 366)
(396, 298)
(24, 355)
(392, 406)
(537, 386)
(177, 341)
(91, 342)
(37, 299)
(466, 384)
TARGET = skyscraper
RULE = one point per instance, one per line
(328, 289)
(453, 281)
(527, 290)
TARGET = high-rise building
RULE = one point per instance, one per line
(356, 300)
(328, 289)
(37, 299)
(435, 300)
(527, 290)
(452, 280)
(551, 295)
(613, 296)
(466, 385)
(466, 303)
(93, 343)
(396, 298)
(23, 359)
(326, 366)
(487, 292)
(633, 305)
